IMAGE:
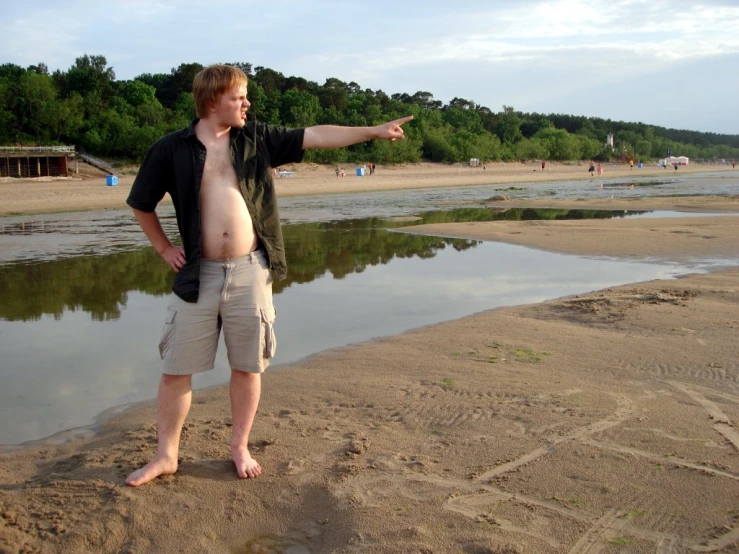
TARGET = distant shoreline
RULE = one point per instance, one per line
(89, 192)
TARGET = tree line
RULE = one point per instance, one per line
(118, 119)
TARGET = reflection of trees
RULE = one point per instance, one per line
(346, 247)
(515, 214)
(100, 284)
(95, 284)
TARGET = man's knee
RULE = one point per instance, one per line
(175, 380)
(245, 375)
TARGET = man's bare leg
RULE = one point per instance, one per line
(245, 390)
(173, 403)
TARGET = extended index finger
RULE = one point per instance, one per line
(403, 120)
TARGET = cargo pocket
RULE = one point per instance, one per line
(165, 344)
(269, 341)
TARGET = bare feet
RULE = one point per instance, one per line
(152, 470)
(246, 466)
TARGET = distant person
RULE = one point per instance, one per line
(675, 164)
(232, 247)
(543, 165)
(599, 169)
(631, 164)
(591, 169)
(338, 171)
(733, 164)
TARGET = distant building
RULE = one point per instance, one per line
(609, 140)
(672, 160)
(34, 161)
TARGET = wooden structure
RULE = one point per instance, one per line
(35, 161)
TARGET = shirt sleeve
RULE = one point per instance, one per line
(283, 144)
(152, 181)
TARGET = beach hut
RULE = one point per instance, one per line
(35, 161)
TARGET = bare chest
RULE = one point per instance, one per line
(218, 170)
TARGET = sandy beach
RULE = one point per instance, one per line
(604, 422)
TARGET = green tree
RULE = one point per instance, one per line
(532, 149)
(509, 126)
(67, 118)
(39, 102)
(561, 144)
(178, 81)
(88, 75)
(643, 149)
(299, 109)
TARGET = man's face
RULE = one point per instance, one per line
(230, 110)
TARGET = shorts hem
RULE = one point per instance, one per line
(169, 371)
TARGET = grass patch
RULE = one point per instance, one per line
(447, 381)
(528, 355)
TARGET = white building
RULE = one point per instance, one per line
(672, 160)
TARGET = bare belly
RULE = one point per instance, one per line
(227, 228)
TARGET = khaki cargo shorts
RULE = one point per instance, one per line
(235, 295)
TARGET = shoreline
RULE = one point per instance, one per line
(38, 196)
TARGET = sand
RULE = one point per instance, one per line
(604, 422)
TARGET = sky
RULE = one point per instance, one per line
(669, 63)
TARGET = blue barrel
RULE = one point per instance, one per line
(111, 180)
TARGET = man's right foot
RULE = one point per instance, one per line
(152, 470)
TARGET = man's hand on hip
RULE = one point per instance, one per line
(174, 256)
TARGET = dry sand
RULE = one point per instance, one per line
(604, 422)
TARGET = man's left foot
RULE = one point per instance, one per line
(246, 466)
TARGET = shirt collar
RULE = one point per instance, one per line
(189, 131)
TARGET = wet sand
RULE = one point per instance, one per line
(604, 422)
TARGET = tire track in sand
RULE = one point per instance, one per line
(722, 423)
(624, 410)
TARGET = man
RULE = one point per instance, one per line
(217, 172)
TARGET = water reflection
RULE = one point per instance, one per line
(100, 284)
